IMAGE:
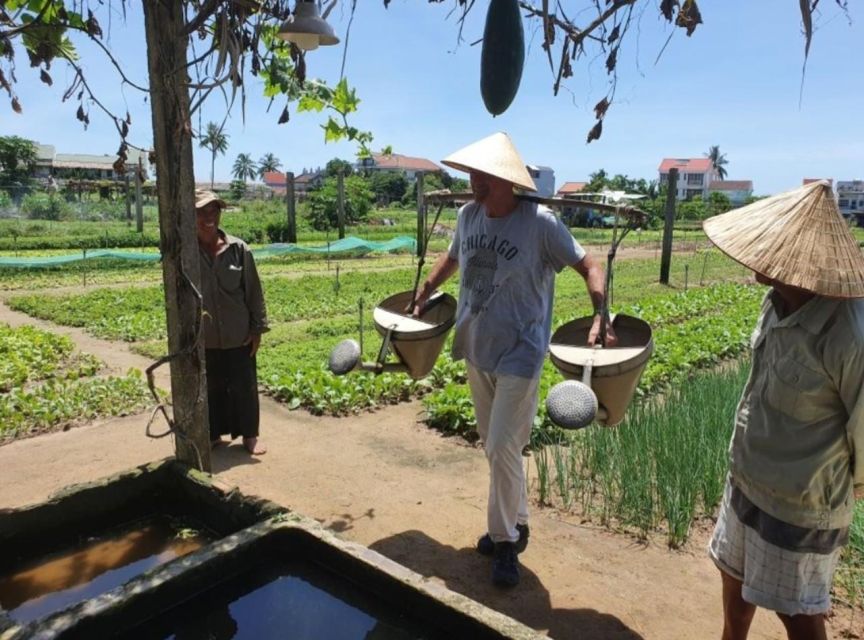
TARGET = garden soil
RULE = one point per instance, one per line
(386, 481)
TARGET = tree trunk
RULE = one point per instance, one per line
(172, 134)
(212, 169)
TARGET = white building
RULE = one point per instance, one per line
(84, 166)
(738, 191)
(544, 178)
(850, 198)
(695, 176)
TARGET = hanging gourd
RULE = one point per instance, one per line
(503, 55)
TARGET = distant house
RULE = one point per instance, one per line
(850, 199)
(569, 189)
(84, 166)
(406, 165)
(276, 181)
(695, 176)
(544, 178)
(738, 191)
(307, 181)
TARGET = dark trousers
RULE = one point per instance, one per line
(232, 392)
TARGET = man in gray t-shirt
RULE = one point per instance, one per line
(509, 251)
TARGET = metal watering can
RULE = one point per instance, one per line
(601, 380)
(415, 341)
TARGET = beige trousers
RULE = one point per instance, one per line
(505, 407)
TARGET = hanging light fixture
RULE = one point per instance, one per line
(306, 28)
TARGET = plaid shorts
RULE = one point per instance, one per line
(788, 582)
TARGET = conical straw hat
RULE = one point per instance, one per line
(798, 238)
(496, 156)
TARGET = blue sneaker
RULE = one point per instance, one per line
(486, 547)
(505, 566)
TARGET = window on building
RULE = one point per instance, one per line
(843, 203)
(694, 178)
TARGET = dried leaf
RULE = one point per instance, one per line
(3, 83)
(612, 60)
(120, 166)
(124, 129)
(92, 25)
(128, 118)
(807, 19)
(44, 77)
(283, 118)
(16, 106)
(689, 17)
(80, 113)
(595, 132)
(667, 7)
(600, 108)
(613, 36)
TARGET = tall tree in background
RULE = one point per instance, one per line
(217, 142)
(17, 160)
(268, 162)
(718, 160)
(244, 168)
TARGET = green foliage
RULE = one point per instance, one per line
(388, 186)
(216, 141)
(237, 189)
(664, 466)
(58, 403)
(17, 161)
(28, 354)
(323, 203)
(244, 168)
(45, 206)
(118, 314)
(268, 162)
(718, 160)
(336, 166)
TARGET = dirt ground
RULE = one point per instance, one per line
(384, 480)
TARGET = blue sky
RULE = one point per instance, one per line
(734, 83)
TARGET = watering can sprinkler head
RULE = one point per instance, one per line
(345, 357)
(573, 405)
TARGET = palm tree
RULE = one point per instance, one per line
(717, 160)
(268, 162)
(217, 142)
(244, 168)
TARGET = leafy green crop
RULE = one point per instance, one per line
(28, 354)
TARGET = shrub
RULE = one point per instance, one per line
(42, 206)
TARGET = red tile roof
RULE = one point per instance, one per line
(275, 179)
(810, 180)
(690, 165)
(571, 187)
(731, 185)
(404, 163)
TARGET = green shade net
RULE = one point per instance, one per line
(350, 244)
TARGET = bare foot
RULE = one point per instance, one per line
(218, 442)
(254, 447)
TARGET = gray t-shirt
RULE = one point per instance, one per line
(508, 267)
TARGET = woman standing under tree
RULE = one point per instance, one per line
(234, 319)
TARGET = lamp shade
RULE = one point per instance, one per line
(306, 28)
